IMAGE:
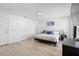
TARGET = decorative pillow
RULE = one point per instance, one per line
(49, 32)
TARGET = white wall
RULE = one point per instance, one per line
(75, 14)
(61, 23)
(41, 26)
(20, 28)
(3, 29)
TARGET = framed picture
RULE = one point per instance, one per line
(50, 23)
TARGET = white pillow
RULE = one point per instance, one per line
(56, 32)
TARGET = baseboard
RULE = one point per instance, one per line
(4, 45)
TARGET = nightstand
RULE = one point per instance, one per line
(62, 37)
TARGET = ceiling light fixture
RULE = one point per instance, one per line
(39, 12)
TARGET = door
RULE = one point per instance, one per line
(3, 30)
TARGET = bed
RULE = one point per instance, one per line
(51, 38)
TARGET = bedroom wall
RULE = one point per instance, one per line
(60, 23)
(20, 28)
(75, 14)
(41, 26)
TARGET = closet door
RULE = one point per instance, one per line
(3, 30)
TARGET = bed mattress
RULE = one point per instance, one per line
(49, 37)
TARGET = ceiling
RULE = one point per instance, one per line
(29, 10)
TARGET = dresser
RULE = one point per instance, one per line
(70, 47)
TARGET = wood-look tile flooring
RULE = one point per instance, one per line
(30, 47)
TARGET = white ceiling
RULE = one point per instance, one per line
(49, 10)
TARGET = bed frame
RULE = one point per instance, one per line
(45, 41)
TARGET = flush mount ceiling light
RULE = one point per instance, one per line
(39, 12)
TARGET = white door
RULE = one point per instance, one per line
(3, 30)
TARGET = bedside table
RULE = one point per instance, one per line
(62, 37)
